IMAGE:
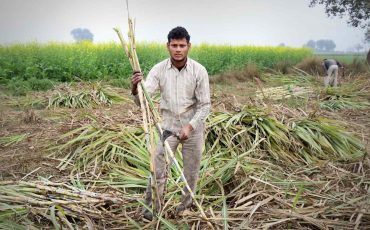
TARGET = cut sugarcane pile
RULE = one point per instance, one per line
(257, 172)
(281, 92)
(94, 94)
(60, 204)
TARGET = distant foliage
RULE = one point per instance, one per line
(81, 34)
(359, 47)
(322, 45)
(310, 44)
(325, 45)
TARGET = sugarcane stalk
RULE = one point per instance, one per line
(146, 116)
(130, 50)
(80, 194)
(86, 193)
(23, 199)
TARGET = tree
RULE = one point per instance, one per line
(311, 44)
(367, 36)
(330, 45)
(359, 47)
(320, 44)
(80, 34)
(357, 10)
(324, 45)
(282, 44)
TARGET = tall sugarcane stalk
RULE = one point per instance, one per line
(130, 50)
(147, 105)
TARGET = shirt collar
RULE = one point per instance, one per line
(187, 66)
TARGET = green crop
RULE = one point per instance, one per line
(65, 62)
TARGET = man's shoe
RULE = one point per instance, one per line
(180, 209)
(147, 215)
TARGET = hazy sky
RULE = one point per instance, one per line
(243, 22)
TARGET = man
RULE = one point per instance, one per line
(331, 68)
(185, 104)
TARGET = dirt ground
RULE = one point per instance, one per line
(44, 129)
(31, 157)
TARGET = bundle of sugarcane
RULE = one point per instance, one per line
(150, 115)
(334, 103)
(349, 96)
(97, 151)
(63, 205)
(94, 95)
(281, 92)
(298, 140)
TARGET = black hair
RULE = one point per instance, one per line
(178, 33)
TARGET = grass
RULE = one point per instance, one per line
(344, 58)
(312, 65)
(11, 140)
(249, 73)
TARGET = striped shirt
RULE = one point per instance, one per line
(185, 95)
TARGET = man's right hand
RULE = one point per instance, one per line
(136, 78)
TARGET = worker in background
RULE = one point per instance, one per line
(331, 67)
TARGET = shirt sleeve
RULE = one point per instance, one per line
(324, 66)
(203, 99)
(151, 84)
(339, 64)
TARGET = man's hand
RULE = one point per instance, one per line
(186, 132)
(135, 80)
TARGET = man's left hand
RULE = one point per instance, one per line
(186, 132)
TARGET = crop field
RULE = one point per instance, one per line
(281, 151)
(345, 58)
(39, 66)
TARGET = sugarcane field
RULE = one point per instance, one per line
(283, 132)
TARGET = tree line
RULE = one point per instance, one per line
(322, 45)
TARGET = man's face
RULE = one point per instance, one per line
(178, 49)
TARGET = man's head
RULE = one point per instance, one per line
(178, 33)
(178, 44)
